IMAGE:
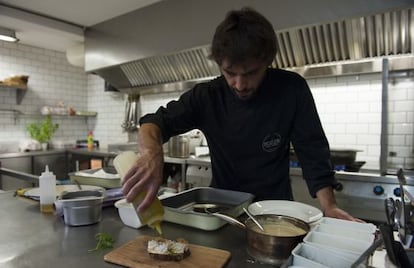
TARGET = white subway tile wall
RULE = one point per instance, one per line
(151, 102)
(111, 110)
(401, 127)
(349, 106)
(350, 112)
(51, 80)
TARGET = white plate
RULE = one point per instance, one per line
(34, 193)
(294, 209)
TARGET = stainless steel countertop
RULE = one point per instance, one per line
(100, 152)
(202, 161)
(83, 151)
(32, 153)
(33, 239)
(97, 152)
(205, 161)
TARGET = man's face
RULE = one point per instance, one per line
(244, 78)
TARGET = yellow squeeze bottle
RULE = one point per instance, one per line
(154, 214)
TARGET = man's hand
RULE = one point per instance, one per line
(327, 201)
(147, 173)
(338, 213)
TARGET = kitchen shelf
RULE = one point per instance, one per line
(17, 114)
(20, 113)
(60, 115)
(20, 91)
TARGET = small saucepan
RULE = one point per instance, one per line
(273, 245)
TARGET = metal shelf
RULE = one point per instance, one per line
(20, 92)
(18, 113)
(60, 115)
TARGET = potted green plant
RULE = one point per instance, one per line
(42, 132)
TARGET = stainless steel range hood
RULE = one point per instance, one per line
(173, 44)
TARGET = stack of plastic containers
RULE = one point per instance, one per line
(334, 243)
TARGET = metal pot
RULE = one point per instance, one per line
(274, 247)
(179, 146)
(281, 236)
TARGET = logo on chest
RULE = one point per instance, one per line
(271, 142)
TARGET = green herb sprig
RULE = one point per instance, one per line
(105, 241)
(42, 132)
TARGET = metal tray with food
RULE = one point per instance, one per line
(106, 177)
(188, 207)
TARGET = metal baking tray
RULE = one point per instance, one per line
(180, 207)
(106, 177)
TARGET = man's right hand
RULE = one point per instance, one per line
(147, 172)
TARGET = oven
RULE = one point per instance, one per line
(362, 195)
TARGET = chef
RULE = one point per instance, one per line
(249, 115)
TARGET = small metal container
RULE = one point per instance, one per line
(81, 207)
(179, 146)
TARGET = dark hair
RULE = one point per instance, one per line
(244, 34)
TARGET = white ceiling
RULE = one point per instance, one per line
(58, 24)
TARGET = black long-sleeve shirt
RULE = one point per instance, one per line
(249, 141)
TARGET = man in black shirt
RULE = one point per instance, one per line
(250, 115)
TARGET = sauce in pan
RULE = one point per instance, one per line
(274, 229)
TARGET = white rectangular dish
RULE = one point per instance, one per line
(367, 227)
(127, 214)
(344, 231)
(337, 242)
(333, 243)
(308, 255)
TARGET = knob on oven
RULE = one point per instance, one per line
(397, 191)
(338, 186)
(378, 190)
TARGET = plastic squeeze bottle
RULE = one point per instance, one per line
(154, 214)
(47, 186)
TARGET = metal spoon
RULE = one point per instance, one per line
(226, 218)
(78, 184)
(253, 219)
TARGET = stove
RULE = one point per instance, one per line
(362, 195)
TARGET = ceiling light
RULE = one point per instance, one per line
(8, 35)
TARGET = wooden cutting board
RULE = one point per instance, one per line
(134, 254)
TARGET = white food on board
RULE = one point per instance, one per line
(166, 246)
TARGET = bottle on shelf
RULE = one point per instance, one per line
(47, 186)
(154, 214)
(90, 140)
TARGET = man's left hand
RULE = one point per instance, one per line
(340, 214)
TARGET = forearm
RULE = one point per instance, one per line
(326, 198)
(147, 173)
(149, 140)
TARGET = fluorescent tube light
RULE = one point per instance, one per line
(8, 35)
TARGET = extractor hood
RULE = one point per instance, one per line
(164, 56)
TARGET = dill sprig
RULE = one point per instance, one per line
(105, 241)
